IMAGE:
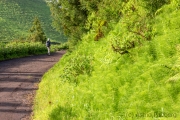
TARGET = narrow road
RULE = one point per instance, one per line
(19, 80)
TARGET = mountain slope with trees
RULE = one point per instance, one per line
(123, 62)
(16, 18)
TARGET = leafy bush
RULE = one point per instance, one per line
(79, 65)
(20, 49)
(62, 46)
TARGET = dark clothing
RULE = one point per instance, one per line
(48, 43)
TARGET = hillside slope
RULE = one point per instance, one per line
(107, 80)
(16, 17)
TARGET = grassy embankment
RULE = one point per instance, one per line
(94, 82)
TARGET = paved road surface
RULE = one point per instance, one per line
(19, 80)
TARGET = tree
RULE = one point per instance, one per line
(77, 17)
(36, 32)
(69, 16)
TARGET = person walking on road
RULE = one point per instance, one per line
(48, 44)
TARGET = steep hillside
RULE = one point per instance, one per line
(130, 73)
(16, 17)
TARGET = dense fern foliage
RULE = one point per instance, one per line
(16, 18)
(127, 65)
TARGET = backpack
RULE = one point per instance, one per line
(48, 43)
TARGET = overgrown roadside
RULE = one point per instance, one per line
(19, 80)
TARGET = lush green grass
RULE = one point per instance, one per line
(16, 17)
(95, 83)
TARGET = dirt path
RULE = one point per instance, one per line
(19, 80)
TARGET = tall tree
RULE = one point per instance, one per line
(69, 16)
(36, 32)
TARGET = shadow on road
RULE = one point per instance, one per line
(19, 80)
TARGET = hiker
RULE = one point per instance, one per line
(48, 44)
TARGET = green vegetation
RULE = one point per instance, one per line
(19, 49)
(16, 17)
(69, 16)
(37, 34)
(126, 65)
(24, 27)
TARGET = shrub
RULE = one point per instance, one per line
(20, 49)
(78, 65)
